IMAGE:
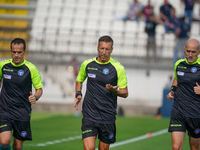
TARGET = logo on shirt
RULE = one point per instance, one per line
(7, 76)
(180, 73)
(111, 136)
(23, 133)
(4, 69)
(182, 67)
(20, 72)
(106, 71)
(92, 68)
(90, 75)
(194, 69)
(197, 131)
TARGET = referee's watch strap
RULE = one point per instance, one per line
(37, 98)
(78, 93)
(115, 92)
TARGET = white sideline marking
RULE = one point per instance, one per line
(111, 146)
(137, 138)
(59, 141)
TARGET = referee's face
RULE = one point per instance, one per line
(104, 51)
(191, 54)
(17, 53)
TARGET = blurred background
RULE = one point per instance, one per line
(61, 34)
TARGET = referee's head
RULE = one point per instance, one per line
(18, 41)
(106, 39)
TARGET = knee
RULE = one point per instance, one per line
(17, 147)
(176, 147)
(89, 147)
(5, 143)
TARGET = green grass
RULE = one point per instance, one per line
(51, 127)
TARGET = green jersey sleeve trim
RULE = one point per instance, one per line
(2, 63)
(82, 72)
(175, 66)
(121, 74)
(35, 75)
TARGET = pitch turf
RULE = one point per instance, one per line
(57, 131)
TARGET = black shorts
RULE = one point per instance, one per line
(21, 129)
(106, 132)
(181, 123)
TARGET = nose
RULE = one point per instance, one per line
(16, 54)
(104, 51)
(190, 54)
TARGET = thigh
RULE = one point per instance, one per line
(17, 144)
(5, 137)
(107, 133)
(89, 143)
(177, 139)
(5, 130)
(22, 130)
(103, 146)
(194, 143)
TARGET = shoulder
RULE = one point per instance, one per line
(116, 64)
(198, 61)
(180, 61)
(30, 65)
(86, 62)
(7, 61)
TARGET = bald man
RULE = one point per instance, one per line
(185, 90)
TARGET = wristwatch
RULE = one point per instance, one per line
(36, 97)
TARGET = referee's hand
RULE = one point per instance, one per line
(170, 96)
(78, 99)
(32, 98)
(197, 89)
(111, 88)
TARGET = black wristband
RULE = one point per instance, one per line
(36, 97)
(115, 92)
(78, 93)
(173, 88)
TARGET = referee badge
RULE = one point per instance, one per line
(197, 131)
(105, 71)
(111, 136)
(23, 133)
(194, 69)
(20, 72)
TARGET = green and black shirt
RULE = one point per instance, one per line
(185, 100)
(16, 88)
(99, 104)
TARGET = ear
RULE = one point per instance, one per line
(112, 50)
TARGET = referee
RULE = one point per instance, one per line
(17, 77)
(106, 79)
(185, 90)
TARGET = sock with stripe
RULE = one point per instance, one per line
(4, 147)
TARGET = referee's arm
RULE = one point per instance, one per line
(78, 95)
(170, 96)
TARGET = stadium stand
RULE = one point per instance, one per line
(15, 21)
(72, 22)
(57, 30)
